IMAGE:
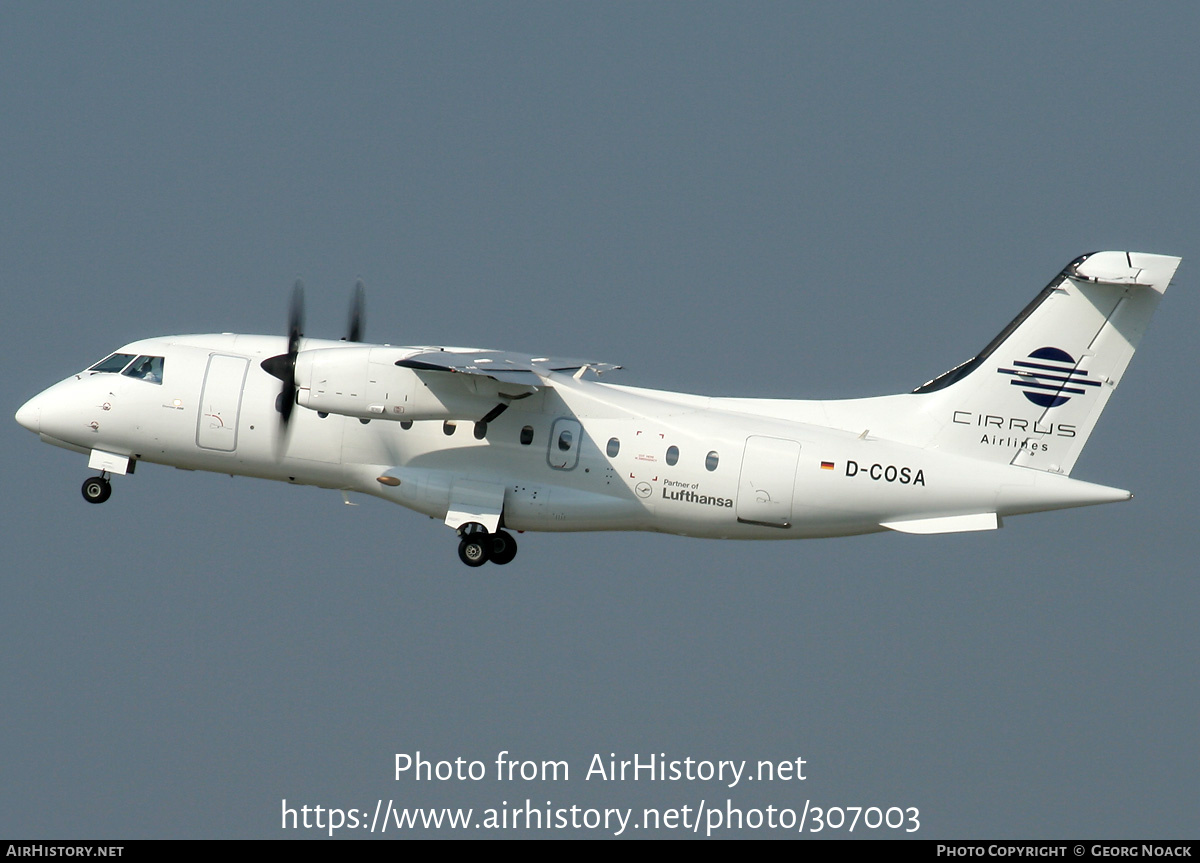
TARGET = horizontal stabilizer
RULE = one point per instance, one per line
(1127, 268)
(946, 524)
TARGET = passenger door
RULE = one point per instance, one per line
(221, 403)
(767, 481)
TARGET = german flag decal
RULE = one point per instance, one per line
(826, 465)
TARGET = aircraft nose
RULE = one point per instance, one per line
(30, 415)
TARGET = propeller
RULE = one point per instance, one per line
(283, 366)
(358, 313)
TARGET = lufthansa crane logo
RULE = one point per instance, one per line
(1049, 377)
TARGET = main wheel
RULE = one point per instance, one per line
(504, 547)
(475, 549)
(96, 489)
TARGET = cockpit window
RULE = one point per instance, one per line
(149, 369)
(113, 364)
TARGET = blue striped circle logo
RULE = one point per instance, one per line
(1049, 377)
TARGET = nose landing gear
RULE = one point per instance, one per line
(477, 546)
(96, 489)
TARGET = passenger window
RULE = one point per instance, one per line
(149, 369)
(710, 461)
(527, 435)
(112, 364)
(614, 447)
(672, 455)
(406, 424)
(480, 431)
(448, 428)
(564, 440)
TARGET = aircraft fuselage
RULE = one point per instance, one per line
(488, 440)
(580, 456)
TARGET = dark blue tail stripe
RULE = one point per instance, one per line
(1051, 387)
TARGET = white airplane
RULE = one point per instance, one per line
(488, 440)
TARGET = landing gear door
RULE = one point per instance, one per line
(768, 481)
(221, 402)
(475, 503)
(566, 436)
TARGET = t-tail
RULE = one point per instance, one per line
(1034, 394)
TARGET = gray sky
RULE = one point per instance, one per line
(753, 198)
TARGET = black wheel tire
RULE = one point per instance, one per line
(96, 489)
(475, 549)
(504, 547)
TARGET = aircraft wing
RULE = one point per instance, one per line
(504, 366)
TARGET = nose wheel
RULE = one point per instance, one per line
(96, 489)
(477, 546)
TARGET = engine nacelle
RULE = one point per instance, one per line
(365, 382)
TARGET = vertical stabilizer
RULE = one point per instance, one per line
(1033, 395)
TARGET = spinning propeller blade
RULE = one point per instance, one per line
(358, 313)
(283, 366)
(287, 402)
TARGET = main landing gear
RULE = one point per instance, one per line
(477, 546)
(96, 489)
